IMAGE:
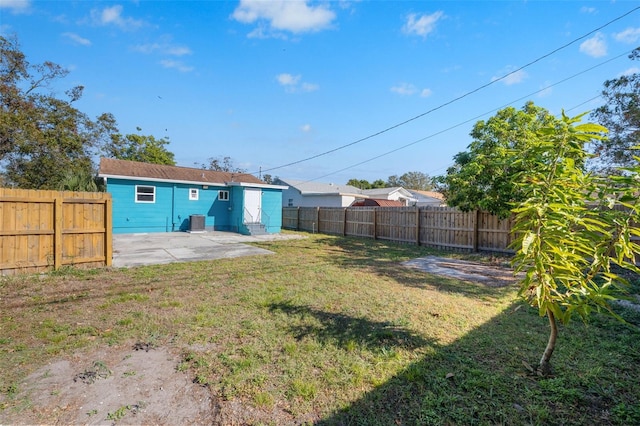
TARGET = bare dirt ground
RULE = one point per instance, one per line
(487, 274)
(123, 385)
(128, 386)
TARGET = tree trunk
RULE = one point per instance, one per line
(544, 368)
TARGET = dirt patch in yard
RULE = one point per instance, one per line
(487, 274)
(134, 385)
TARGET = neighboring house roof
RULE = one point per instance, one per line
(112, 168)
(317, 188)
(377, 202)
(432, 194)
(389, 192)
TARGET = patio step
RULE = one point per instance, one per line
(256, 228)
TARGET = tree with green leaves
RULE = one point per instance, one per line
(621, 115)
(359, 183)
(80, 181)
(485, 176)
(221, 164)
(365, 184)
(143, 148)
(42, 137)
(573, 228)
(411, 180)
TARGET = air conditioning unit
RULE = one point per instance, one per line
(196, 223)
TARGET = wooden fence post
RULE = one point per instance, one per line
(417, 225)
(344, 222)
(318, 220)
(476, 226)
(57, 232)
(108, 232)
(375, 225)
(298, 218)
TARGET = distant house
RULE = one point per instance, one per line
(377, 202)
(314, 194)
(158, 198)
(396, 193)
(428, 198)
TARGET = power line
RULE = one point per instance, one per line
(452, 100)
(480, 116)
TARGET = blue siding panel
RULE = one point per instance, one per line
(272, 209)
(132, 217)
(170, 211)
(236, 197)
(173, 207)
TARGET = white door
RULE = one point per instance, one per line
(252, 205)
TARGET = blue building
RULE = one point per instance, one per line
(158, 198)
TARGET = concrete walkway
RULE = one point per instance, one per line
(151, 249)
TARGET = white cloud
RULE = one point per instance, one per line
(421, 25)
(630, 35)
(306, 128)
(288, 79)
(77, 39)
(587, 9)
(113, 16)
(630, 71)
(295, 16)
(512, 77)
(163, 48)
(293, 84)
(596, 46)
(16, 6)
(408, 89)
(178, 65)
(405, 89)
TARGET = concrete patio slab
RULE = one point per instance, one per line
(151, 249)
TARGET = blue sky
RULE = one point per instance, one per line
(269, 83)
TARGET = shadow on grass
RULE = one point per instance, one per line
(343, 330)
(480, 379)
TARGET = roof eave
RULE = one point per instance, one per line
(150, 179)
(257, 185)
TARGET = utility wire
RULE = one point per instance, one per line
(452, 100)
(480, 116)
(431, 172)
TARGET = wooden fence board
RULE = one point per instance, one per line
(331, 221)
(44, 230)
(440, 227)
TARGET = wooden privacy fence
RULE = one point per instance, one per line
(44, 230)
(441, 227)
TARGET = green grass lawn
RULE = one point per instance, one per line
(333, 329)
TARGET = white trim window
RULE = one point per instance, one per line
(223, 195)
(145, 194)
(193, 194)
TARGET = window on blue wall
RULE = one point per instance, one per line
(145, 194)
(223, 195)
(193, 194)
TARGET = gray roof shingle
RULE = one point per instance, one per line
(135, 169)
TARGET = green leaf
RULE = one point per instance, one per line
(527, 241)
